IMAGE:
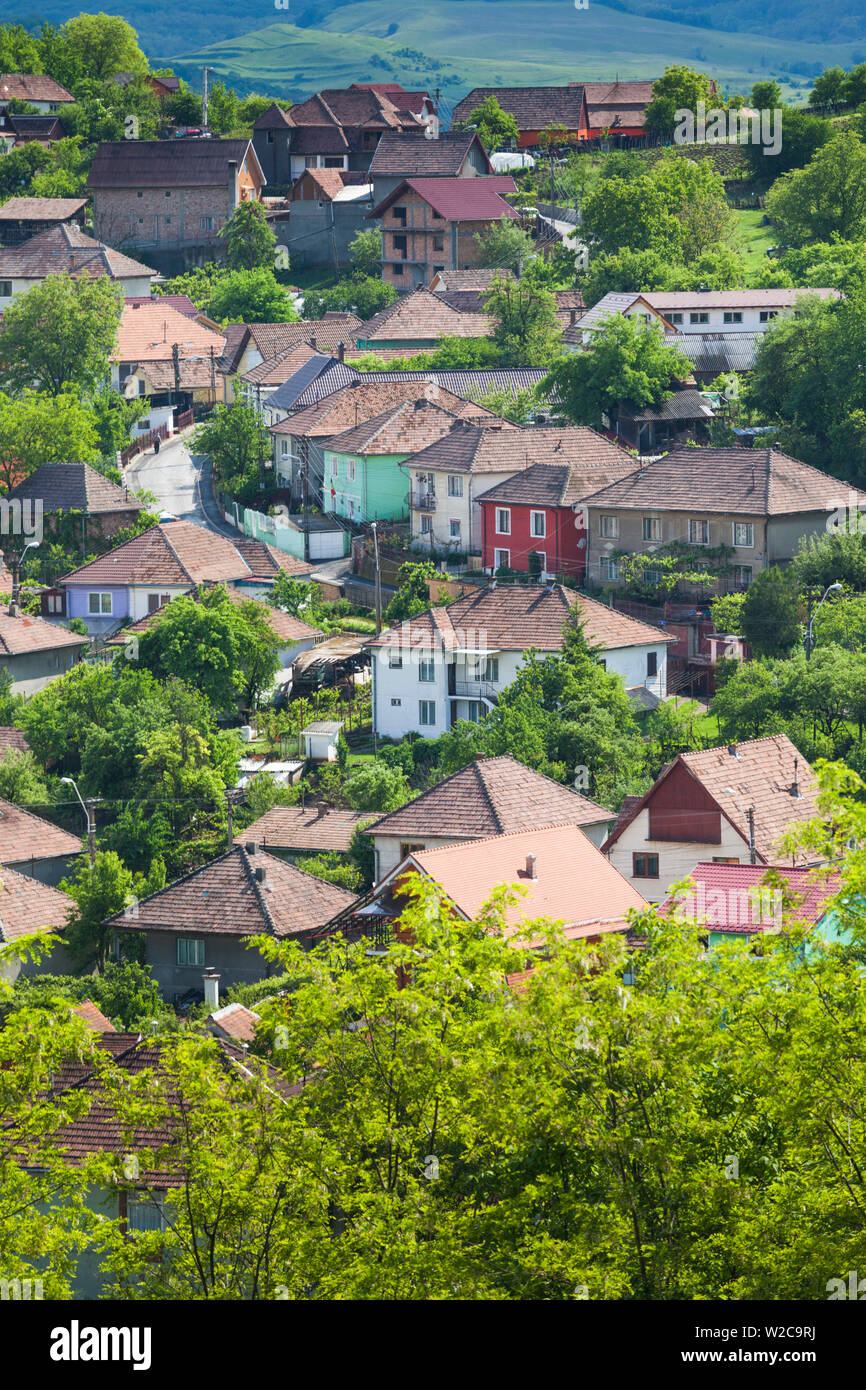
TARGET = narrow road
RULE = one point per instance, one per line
(180, 481)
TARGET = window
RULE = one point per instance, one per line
(473, 711)
(767, 314)
(608, 568)
(396, 702)
(284, 448)
(139, 195)
(426, 669)
(334, 162)
(699, 532)
(167, 221)
(537, 562)
(5, 289)
(206, 223)
(399, 216)
(491, 670)
(652, 663)
(168, 193)
(652, 528)
(502, 559)
(99, 603)
(538, 523)
(438, 243)
(395, 659)
(699, 318)
(455, 485)
(652, 576)
(673, 318)
(644, 866)
(744, 535)
(143, 1213)
(732, 317)
(397, 270)
(335, 467)
(350, 470)
(503, 521)
(55, 603)
(743, 575)
(454, 528)
(427, 712)
(190, 950)
(426, 525)
(271, 135)
(609, 526)
(411, 847)
(400, 246)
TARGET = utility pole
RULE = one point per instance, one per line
(305, 462)
(550, 152)
(229, 814)
(90, 807)
(808, 623)
(378, 580)
(175, 359)
(212, 375)
(205, 72)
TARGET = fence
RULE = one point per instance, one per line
(184, 420)
(144, 441)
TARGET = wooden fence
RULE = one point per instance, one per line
(144, 441)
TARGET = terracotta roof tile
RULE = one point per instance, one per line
(167, 163)
(26, 905)
(236, 1021)
(22, 634)
(148, 332)
(724, 896)
(67, 250)
(174, 552)
(312, 828)
(274, 338)
(29, 86)
(266, 562)
(412, 154)
(12, 740)
(40, 209)
(225, 898)
(24, 836)
(533, 108)
(423, 314)
(275, 370)
(93, 1017)
(492, 796)
(75, 487)
(356, 404)
(468, 449)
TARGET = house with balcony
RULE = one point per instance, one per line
(451, 478)
(430, 224)
(730, 805)
(450, 664)
(757, 503)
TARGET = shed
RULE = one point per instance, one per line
(320, 740)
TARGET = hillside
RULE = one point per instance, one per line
(457, 44)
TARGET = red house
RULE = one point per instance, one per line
(535, 521)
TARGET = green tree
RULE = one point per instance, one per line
(237, 444)
(840, 556)
(626, 362)
(525, 327)
(37, 428)
(60, 334)
(376, 787)
(726, 612)
(19, 50)
(505, 245)
(770, 613)
(98, 892)
(766, 95)
(803, 134)
(413, 591)
(295, 596)
(495, 127)
(249, 239)
(365, 252)
(680, 89)
(22, 780)
(223, 109)
(363, 295)
(104, 45)
(830, 89)
(250, 296)
(825, 199)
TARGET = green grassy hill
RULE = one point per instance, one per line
(459, 44)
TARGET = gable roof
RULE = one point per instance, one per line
(186, 163)
(31, 86)
(40, 209)
(413, 155)
(405, 429)
(75, 487)
(364, 400)
(617, 302)
(224, 898)
(352, 107)
(533, 108)
(12, 740)
(273, 371)
(24, 836)
(479, 278)
(551, 485)
(491, 796)
(571, 884)
(66, 250)
(273, 338)
(422, 315)
(469, 449)
(312, 828)
(236, 1021)
(26, 906)
(754, 482)
(148, 331)
(455, 199)
(325, 375)
(173, 552)
(669, 300)
(287, 628)
(725, 897)
(21, 634)
(92, 1017)
(760, 777)
(266, 562)
(519, 617)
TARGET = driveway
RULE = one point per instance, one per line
(181, 483)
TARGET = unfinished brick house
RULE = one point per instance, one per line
(429, 225)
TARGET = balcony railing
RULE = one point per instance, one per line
(474, 690)
(424, 501)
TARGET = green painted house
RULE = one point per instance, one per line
(363, 480)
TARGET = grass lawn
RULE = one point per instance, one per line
(756, 238)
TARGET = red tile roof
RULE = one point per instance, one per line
(29, 86)
(26, 905)
(492, 796)
(40, 209)
(12, 739)
(22, 634)
(458, 200)
(75, 487)
(469, 449)
(734, 897)
(149, 330)
(93, 1017)
(168, 163)
(236, 1021)
(533, 108)
(310, 828)
(224, 898)
(65, 249)
(174, 552)
(353, 405)
(24, 836)
(421, 314)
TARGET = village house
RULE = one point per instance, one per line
(171, 195)
(288, 832)
(617, 110)
(429, 224)
(564, 879)
(735, 901)
(739, 800)
(449, 479)
(328, 209)
(418, 322)
(61, 489)
(23, 218)
(162, 86)
(453, 154)
(28, 906)
(16, 131)
(452, 663)
(203, 920)
(34, 847)
(759, 503)
(250, 345)
(534, 109)
(35, 652)
(684, 416)
(66, 250)
(144, 573)
(143, 358)
(335, 129)
(492, 796)
(36, 89)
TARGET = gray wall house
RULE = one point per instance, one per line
(35, 652)
(328, 209)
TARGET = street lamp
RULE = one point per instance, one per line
(91, 826)
(835, 588)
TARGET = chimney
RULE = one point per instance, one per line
(211, 989)
(261, 874)
(531, 866)
(795, 789)
(753, 858)
(314, 343)
(233, 185)
(251, 847)
(341, 352)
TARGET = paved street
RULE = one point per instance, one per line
(181, 483)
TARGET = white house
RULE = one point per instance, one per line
(451, 664)
(65, 249)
